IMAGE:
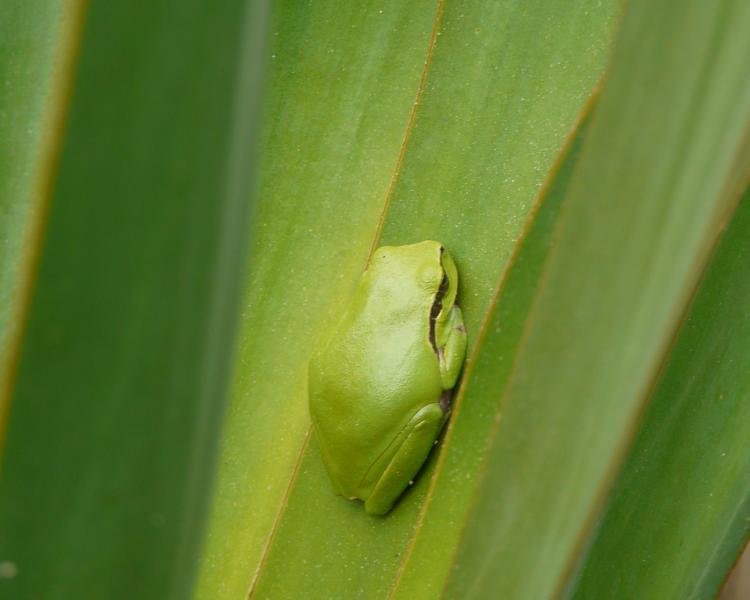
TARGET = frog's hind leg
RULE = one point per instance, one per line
(408, 459)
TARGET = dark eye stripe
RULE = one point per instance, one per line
(437, 306)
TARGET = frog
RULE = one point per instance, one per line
(380, 383)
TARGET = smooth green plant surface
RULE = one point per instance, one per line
(30, 32)
(657, 177)
(681, 508)
(503, 86)
(124, 354)
(342, 80)
(443, 514)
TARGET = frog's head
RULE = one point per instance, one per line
(429, 267)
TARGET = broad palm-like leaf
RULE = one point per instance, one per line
(583, 162)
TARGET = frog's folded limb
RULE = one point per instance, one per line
(408, 458)
(451, 356)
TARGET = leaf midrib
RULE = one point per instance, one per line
(374, 244)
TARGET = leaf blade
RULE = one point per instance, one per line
(122, 369)
(478, 218)
(446, 507)
(330, 154)
(32, 34)
(611, 299)
(686, 476)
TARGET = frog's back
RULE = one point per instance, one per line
(358, 411)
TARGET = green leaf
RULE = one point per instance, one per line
(504, 85)
(30, 32)
(445, 511)
(581, 237)
(658, 174)
(343, 78)
(124, 354)
(680, 512)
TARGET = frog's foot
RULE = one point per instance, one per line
(418, 440)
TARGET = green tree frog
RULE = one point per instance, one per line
(379, 387)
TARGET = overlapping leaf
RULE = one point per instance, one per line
(30, 46)
(680, 513)
(658, 174)
(122, 365)
(445, 510)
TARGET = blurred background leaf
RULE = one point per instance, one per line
(32, 40)
(121, 371)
